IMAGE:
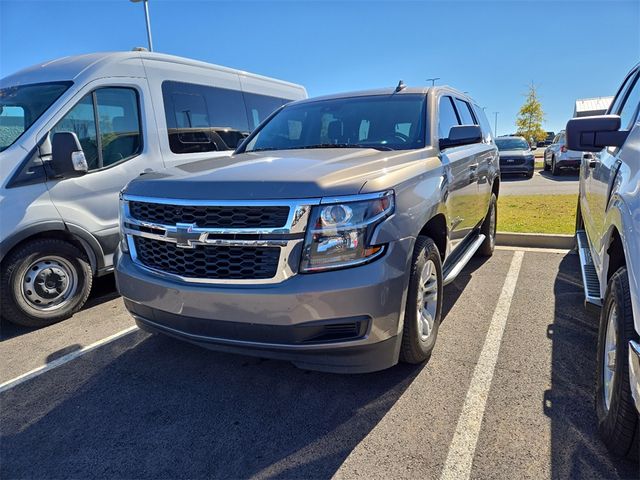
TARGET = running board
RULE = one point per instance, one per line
(590, 280)
(450, 274)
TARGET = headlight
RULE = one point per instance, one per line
(339, 234)
(124, 247)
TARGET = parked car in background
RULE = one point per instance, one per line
(557, 156)
(326, 239)
(516, 155)
(547, 141)
(74, 131)
(608, 235)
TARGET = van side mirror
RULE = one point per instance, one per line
(592, 134)
(67, 157)
(461, 135)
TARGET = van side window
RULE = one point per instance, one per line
(260, 107)
(630, 107)
(116, 136)
(202, 118)
(464, 110)
(484, 123)
(447, 117)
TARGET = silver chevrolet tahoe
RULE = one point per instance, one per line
(325, 239)
(608, 234)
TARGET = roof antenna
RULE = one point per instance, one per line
(401, 86)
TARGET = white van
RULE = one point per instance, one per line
(74, 131)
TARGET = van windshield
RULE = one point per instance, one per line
(383, 122)
(22, 105)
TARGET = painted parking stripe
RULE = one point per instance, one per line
(64, 359)
(463, 446)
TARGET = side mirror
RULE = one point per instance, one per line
(67, 157)
(592, 134)
(461, 135)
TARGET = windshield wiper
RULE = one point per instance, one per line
(347, 145)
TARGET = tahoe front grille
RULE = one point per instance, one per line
(211, 216)
(212, 262)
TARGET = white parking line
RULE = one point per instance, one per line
(64, 359)
(463, 446)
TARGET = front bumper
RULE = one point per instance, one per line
(634, 372)
(286, 320)
(525, 168)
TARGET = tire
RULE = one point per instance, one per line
(417, 344)
(488, 228)
(546, 165)
(618, 422)
(554, 168)
(529, 175)
(64, 282)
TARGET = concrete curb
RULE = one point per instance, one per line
(535, 240)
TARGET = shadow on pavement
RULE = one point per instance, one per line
(129, 410)
(564, 176)
(576, 451)
(103, 290)
(453, 291)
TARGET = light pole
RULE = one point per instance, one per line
(146, 17)
(433, 80)
(495, 125)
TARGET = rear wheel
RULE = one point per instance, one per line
(43, 282)
(424, 303)
(554, 168)
(488, 229)
(546, 165)
(617, 417)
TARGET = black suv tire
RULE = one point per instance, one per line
(618, 422)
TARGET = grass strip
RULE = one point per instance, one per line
(554, 214)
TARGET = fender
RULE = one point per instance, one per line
(90, 245)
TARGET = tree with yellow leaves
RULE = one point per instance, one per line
(530, 117)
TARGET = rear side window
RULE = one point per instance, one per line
(202, 118)
(107, 124)
(260, 107)
(464, 110)
(447, 117)
(484, 123)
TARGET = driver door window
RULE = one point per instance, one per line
(107, 124)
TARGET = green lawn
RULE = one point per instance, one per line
(537, 213)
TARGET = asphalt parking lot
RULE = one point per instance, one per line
(508, 393)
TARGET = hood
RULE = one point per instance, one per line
(515, 153)
(282, 174)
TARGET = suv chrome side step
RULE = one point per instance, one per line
(451, 273)
(589, 276)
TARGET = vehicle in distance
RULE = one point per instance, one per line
(325, 239)
(558, 157)
(547, 141)
(608, 236)
(515, 155)
(129, 112)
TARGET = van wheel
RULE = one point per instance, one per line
(43, 282)
(488, 228)
(617, 417)
(424, 303)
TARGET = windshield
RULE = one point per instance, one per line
(384, 122)
(512, 144)
(21, 106)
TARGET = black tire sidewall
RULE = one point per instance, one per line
(16, 309)
(610, 421)
(415, 349)
(489, 243)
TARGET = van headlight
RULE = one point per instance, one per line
(339, 234)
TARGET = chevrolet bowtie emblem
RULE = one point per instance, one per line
(184, 235)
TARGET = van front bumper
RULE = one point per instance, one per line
(346, 321)
(634, 372)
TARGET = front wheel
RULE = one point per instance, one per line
(424, 303)
(488, 229)
(617, 417)
(43, 282)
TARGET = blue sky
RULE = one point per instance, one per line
(570, 50)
